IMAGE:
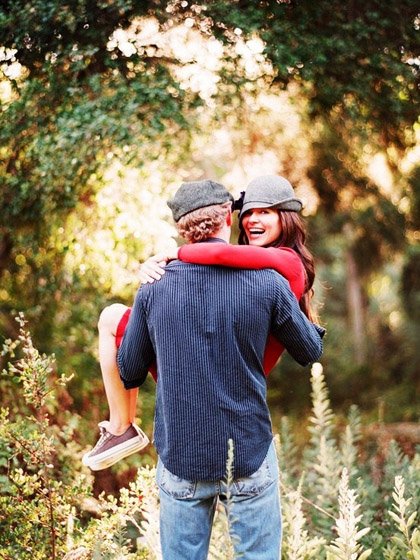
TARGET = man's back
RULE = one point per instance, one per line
(208, 328)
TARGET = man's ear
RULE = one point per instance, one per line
(229, 219)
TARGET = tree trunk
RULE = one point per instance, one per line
(355, 305)
(6, 246)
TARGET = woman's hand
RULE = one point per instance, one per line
(154, 267)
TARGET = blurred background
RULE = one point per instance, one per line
(107, 107)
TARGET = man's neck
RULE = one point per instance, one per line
(223, 234)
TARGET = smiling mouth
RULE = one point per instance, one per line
(256, 231)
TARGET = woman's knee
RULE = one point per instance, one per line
(110, 317)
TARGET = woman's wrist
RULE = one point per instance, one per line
(172, 254)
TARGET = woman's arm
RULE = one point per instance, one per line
(283, 260)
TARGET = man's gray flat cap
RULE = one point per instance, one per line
(197, 194)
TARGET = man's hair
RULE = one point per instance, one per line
(202, 223)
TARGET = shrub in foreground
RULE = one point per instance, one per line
(334, 506)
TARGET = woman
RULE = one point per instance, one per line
(269, 219)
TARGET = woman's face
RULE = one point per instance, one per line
(261, 226)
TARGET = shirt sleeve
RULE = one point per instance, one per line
(301, 338)
(283, 260)
(136, 353)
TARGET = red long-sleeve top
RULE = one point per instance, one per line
(282, 259)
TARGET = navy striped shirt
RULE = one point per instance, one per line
(207, 328)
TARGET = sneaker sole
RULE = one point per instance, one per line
(115, 454)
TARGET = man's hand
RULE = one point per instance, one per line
(154, 267)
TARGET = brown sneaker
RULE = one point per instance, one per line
(110, 449)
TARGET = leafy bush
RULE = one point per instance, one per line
(335, 505)
(42, 478)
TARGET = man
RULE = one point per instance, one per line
(207, 329)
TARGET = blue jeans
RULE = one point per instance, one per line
(187, 509)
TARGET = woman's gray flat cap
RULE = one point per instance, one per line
(270, 191)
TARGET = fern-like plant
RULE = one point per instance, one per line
(347, 546)
(298, 544)
(406, 543)
(349, 442)
(321, 458)
(43, 483)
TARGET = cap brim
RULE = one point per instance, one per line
(291, 205)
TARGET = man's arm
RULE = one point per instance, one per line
(301, 338)
(136, 353)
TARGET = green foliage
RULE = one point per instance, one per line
(346, 544)
(82, 105)
(77, 103)
(356, 59)
(410, 285)
(367, 522)
(322, 451)
(407, 542)
(289, 453)
(41, 485)
(298, 543)
(43, 515)
(353, 70)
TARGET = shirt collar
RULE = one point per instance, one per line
(213, 240)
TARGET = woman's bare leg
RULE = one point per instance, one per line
(121, 402)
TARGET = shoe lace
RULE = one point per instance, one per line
(104, 435)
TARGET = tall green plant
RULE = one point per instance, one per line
(298, 543)
(322, 455)
(41, 512)
(40, 489)
(406, 543)
(349, 504)
(346, 546)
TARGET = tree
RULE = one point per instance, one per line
(85, 84)
(356, 66)
(72, 99)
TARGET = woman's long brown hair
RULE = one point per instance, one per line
(293, 235)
